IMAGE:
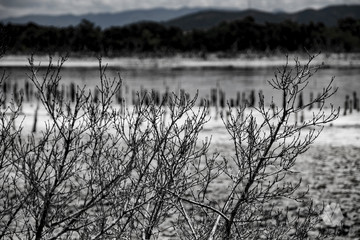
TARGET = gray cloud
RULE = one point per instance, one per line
(23, 7)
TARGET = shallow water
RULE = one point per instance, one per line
(231, 81)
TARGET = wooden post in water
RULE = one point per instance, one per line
(311, 100)
(302, 116)
(232, 102)
(300, 106)
(187, 96)
(96, 95)
(4, 89)
(272, 105)
(222, 99)
(217, 103)
(356, 101)
(164, 101)
(61, 96)
(18, 97)
(35, 118)
(27, 90)
(72, 92)
(301, 101)
(121, 101)
(31, 93)
(158, 98)
(133, 97)
(252, 98)
(319, 102)
(15, 93)
(184, 97)
(238, 99)
(166, 96)
(214, 100)
(126, 95)
(346, 105)
(243, 99)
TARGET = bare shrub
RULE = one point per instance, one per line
(11, 198)
(266, 145)
(102, 171)
(96, 171)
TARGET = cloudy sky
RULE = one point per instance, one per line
(10, 8)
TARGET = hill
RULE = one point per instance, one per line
(210, 18)
(105, 20)
(192, 18)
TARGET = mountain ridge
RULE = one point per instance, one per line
(192, 18)
(103, 20)
(207, 19)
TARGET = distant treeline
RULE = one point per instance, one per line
(150, 37)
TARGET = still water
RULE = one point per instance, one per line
(231, 81)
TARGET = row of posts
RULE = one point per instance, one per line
(351, 104)
(68, 92)
(217, 96)
(216, 99)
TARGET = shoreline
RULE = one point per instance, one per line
(244, 61)
(343, 131)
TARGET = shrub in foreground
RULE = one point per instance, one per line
(100, 171)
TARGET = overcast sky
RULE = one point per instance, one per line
(23, 7)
